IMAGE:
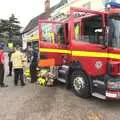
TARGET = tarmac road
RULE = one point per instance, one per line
(56, 103)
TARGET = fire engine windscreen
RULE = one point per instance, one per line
(114, 30)
(52, 33)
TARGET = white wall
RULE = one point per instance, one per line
(27, 36)
(95, 5)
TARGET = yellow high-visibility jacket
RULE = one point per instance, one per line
(17, 59)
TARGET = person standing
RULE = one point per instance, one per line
(17, 59)
(33, 66)
(10, 63)
(2, 57)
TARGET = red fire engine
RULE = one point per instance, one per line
(86, 50)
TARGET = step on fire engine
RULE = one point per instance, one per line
(86, 50)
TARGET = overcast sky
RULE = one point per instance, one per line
(24, 10)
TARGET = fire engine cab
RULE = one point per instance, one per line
(86, 50)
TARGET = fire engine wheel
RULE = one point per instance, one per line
(80, 84)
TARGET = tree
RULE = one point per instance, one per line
(14, 26)
(4, 28)
(10, 29)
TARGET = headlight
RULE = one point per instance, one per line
(113, 85)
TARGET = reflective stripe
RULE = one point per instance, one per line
(82, 53)
(114, 56)
(55, 50)
(95, 54)
(89, 54)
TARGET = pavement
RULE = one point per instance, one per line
(33, 102)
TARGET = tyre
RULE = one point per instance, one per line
(80, 84)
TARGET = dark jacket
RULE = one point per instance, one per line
(34, 60)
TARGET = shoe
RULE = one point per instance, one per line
(3, 85)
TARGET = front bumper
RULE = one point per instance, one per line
(112, 94)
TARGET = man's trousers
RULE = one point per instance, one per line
(18, 74)
(1, 74)
(33, 73)
(10, 68)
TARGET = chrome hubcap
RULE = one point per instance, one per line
(78, 83)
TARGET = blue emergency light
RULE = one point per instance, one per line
(112, 4)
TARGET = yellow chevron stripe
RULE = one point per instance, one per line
(82, 53)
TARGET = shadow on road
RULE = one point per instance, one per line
(110, 104)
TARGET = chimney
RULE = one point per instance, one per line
(47, 5)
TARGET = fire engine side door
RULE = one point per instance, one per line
(64, 43)
(50, 46)
(87, 44)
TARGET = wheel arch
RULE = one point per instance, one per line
(76, 65)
